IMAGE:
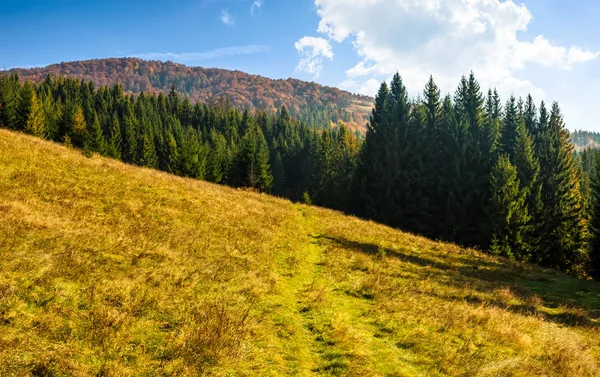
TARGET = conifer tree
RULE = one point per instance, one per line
(26, 98)
(147, 151)
(510, 125)
(36, 122)
(595, 220)
(171, 158)
(528, 170)
(78, 127)
(562, 245)
(114, 144)
(94, 140)
(509, 213)
(251, 164)
(9, 100)
(192, 155)
(130, 136)
(219, 159)
(376, 177)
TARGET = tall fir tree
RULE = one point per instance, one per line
(595, 220)
(36, 122)
(378, 164)
(562, 245)
(114, 143)
(509, 213)
(94, 139)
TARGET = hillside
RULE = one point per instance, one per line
(309, 102)
(585, 139)
(113, 270)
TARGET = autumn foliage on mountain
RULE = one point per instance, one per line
(310, 102)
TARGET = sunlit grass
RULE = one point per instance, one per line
(108, 269)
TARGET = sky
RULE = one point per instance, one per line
(548, 48)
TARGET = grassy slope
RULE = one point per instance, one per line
(108, 269)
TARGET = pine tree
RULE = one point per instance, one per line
(192, 155)
(528, 170)
(147, 151)
(78, 127)
(251, 166)
(510, 126)
(376, 172)
(562, 245)
(219, 159)
(129, 128)
(278, 172)
(26, 98)
(474, 166)
(36, 122)
(509, 214)
(114, 144)
(94, 139)
(595, 220)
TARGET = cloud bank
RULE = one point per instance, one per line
(446, 38)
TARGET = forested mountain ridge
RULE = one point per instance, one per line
(585, 139)
(308, 101)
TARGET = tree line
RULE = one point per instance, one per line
(465, 168)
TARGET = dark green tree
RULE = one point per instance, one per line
(509, 214)
(563, 242)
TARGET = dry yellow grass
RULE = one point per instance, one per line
(112, 270)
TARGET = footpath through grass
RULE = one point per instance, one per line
(113, 270)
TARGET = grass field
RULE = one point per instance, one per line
(112, 270)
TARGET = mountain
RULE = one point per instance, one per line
(308, 101)
(585, 139)
(110, 269)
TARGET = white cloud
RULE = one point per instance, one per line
(446, 38)
(198, 56)
(577, 55)
(227, 18)
(313, 50)
(256, 6)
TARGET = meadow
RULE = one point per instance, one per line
(107, 269)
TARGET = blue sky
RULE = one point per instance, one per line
(546, 47)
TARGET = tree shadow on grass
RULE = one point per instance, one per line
(537, 288)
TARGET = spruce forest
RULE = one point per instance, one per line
(470, 168)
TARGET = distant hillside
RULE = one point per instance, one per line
(585, 139)
(113, 270)
(308, 101)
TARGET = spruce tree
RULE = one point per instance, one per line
(26, 99)
(595, 220)
(94, 139)
(376, 172)
(251, 166)
(77, 127)
(562, 245)
(509, 214)
(9, 100)
(219, 159)
(192, 155)
(36, 122)
(114, 144)
(147, 151)
(510, 125)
